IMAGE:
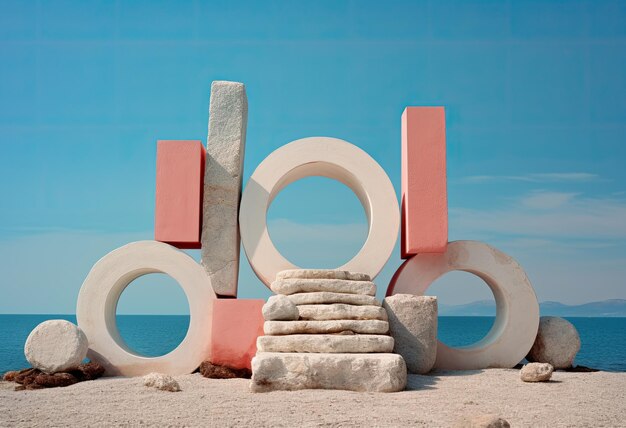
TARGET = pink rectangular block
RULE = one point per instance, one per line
(424, 194)
(179, 186)
(236, 325)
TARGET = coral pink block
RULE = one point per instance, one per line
(424, 194)
(236, 325)
(179, 186)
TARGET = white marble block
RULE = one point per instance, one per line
(413, 325)
(228, 117)
(353, 372)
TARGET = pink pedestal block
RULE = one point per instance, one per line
(424, 195)
(179, 186)
(236, 325)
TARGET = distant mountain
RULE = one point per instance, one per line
(606, 308)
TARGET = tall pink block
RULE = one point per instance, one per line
(179, 186)
(236, 325)
(424, 194)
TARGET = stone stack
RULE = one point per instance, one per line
(325, 330)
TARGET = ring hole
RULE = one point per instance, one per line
(467, 308)
(152, 315)
(318, 222)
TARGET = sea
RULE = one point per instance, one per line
(603, 339)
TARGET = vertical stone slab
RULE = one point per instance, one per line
(179, 175)
(413, 326)
(424, 194)
(228, 117)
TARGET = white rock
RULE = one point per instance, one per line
(161, 381)
(557, 343)
(340, 311)
(325, 343)
(536, 372)
(56, 345)
(353, 372)
(228, 116)
(322, 274)
(280, 308)
(328, 297)
(295, 285)
(278, 328)
(413, 325)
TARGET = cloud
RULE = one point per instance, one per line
(551, 177)
(549, 215)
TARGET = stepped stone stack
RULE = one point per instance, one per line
(324, 329)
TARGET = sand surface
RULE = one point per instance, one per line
(570, 399)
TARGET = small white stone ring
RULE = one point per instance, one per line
(99, 295)
(517, 311)
(326, 157)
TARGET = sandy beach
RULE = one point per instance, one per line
(441, 399)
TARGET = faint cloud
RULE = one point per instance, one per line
(552, 177)
(547, 200)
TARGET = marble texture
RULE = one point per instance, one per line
(277, 328)
(325, 343)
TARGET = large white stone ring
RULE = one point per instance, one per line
(97, 304)
(517, 311)
(326, 157)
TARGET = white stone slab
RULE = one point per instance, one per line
(326, 297)
(339, 311)
(293, 285)
(352, 372)
(322, 274)
(330, 343)
(280, 308)
(228, 116)
(277, 328)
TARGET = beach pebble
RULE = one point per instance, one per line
(413, 325)
(280, 308)
(353, 372)
(482, 421)
(161, 381)
(55, 346)
(331, 326)
(536, 372)
(557, 343)
(295, 285)
(340, 311)
(322, 274)
(331, 343)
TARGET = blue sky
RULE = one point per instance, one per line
(535, 97)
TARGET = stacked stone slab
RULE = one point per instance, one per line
(324, 329)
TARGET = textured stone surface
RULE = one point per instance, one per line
(322, 274)
(557, 343)
(320, 327)
(329, 343)
(161, 381)
(228, 116)
(353, 372)
(482, 421)
(280, 308)
(536, 372)
(295, 285)
(55, 346)
(413, 325)
(340, 311)
(214, 371)
(326, 297)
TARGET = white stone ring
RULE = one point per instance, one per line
(517, 311)
(99, 295)
(326, 157)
